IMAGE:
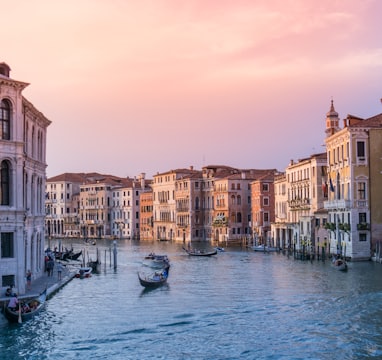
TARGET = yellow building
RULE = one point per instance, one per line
(354, 176)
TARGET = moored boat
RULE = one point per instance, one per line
(84, 272)
(27, 310)
(264, 248)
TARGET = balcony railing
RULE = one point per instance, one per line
(363, 226)
(299, 203)
(337, 204)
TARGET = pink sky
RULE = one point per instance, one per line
(154, 85)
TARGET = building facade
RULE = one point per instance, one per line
(263, 209)
(295, 224)
(125, 219)
(164, 203)
(354, 155)
(62, 204)
(23, 133)
(146, 215)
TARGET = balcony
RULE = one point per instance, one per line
(330, 226)
(363, 226)
(362, 204)
(299, 203)
(337, 204)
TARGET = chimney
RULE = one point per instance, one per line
(143, 175)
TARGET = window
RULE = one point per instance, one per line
(361, 190)
(362, 237)
(266, 201)
(5, 119)
(8, 280)
(266, 217)
(361, 149)
(362, 218)
(7, 245)
(4, 183)
(265, 187)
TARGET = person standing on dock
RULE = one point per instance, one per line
(50, 266)
(29, 279)
(59, 270)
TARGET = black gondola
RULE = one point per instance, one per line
(197, 252)
(29, 309)
(154, 280)
(73, 255)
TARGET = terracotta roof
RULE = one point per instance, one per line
(94, 177)
(372, 122)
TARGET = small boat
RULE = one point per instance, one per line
(156, 261)
(154, 280)
(340, 264)
(28, 309)
(84, 272)
(200, 252)
(264, 248)
(94, 265)
(73, 256)
(220, 249)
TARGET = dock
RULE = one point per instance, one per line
(51, 283)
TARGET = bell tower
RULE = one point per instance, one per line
(332, 121)
(4, 69)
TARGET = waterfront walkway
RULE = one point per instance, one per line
(51, 283)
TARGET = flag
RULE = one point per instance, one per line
(325, 189)
(331, 185)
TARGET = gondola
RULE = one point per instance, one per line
(156, 261)
(73, 256)
(197, 252)
(264, 248)
(29, 309)
(340, 265)
(154, 280)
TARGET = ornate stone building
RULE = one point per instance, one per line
(354, 155)
(23, 131)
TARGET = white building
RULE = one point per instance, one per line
(23, 131)
(125, 219)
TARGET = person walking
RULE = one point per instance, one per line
(50, 266)
(29, 280)
(59, 270)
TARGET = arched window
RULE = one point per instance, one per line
(197, 203)
(5, 120)
(5, 183)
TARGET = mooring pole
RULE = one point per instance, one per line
(115, 254)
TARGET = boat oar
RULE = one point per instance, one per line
(20, 319)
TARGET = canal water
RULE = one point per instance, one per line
(239, 304)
